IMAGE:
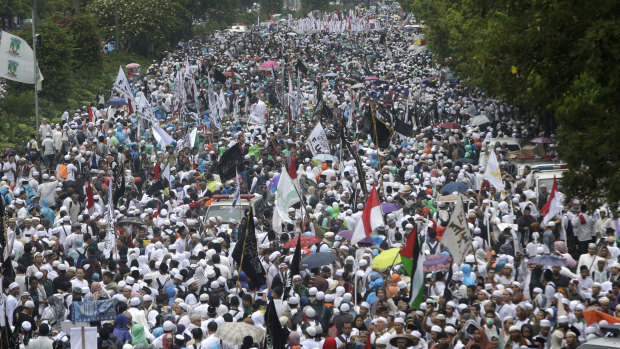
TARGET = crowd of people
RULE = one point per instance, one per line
(106, 171)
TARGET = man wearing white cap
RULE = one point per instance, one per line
(11, 301)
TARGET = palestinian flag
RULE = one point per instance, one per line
(236, 75)
(412, 258)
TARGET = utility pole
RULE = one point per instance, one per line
(36, 66)
(117, 43)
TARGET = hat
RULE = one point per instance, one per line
(168, 326)
(29, 304)
(563, 319)
(26, 325)
(134, 302)
(545, 323)
(436, 328)
(14, 285)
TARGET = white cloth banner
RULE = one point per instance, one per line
(318, 141)
(16, 60)
(122, 85)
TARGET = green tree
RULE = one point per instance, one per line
(554, 58)
(16, 118)
(145, 26)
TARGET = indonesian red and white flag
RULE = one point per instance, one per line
(372, 218)
(553, 206)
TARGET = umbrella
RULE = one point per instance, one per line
(130, 220)
(227, 73)
(348, 235)
(269, 65)
(388, 207)
(132, 65)
(479, 120)
(542, 140)
(386, 259)
(466, 161)
(117, 102)
(371, 78)
(448, 198)
(548, 260)
(291, 34)
(254, 59)
(305, 241)
(331, 75)
(300, 32)
(234, 332)
(316, 260)
(325, 157)
(356, 86)
(450, 125)
(452, 187)
(437, 262)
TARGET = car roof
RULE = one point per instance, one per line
(605, 342)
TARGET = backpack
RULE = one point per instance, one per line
(62, 172)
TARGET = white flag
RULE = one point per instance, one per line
(237, 195)
(318, 141)
(161, 136)
(166, 173)
(457, 238)
(493, 174)
(110, 237)
(286, 195)
(17, 60)
(122, 85)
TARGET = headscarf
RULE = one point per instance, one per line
(164, 343)
(137, 335)
(293, 339)
(96, 290)
(484, 341)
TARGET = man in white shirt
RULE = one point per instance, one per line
(11, 301)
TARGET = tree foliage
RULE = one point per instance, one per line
(553, 58)
(145, 26)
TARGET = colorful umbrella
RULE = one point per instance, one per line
(317, 260)
(386, 259)
(132, 65)
(254, 59)
(269, 65)
(371, 78)
(542, 140)
(479, 120)
(450, 125)
(388, 207)
(437, 262)
(348, 235)
(117, 102)
(305, 241)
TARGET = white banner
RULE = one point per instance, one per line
(257, 113)
(318, 141)
(286, 195)
(16, 60)
(457, 237)
(161, 136)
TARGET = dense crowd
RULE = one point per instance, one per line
(148, 182)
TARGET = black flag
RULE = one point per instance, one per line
(358, 162)
(301, 67)
(380, 132)
(218, 76)
(119, 184)
(229, 161)
(246, 252)
(155, 187)
(296, 258)
(402, 127)
(275, 333)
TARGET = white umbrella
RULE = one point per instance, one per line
(479, 120)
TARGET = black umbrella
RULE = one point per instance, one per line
(316, 260)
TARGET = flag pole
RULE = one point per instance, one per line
(34, 62)
(374, 126)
